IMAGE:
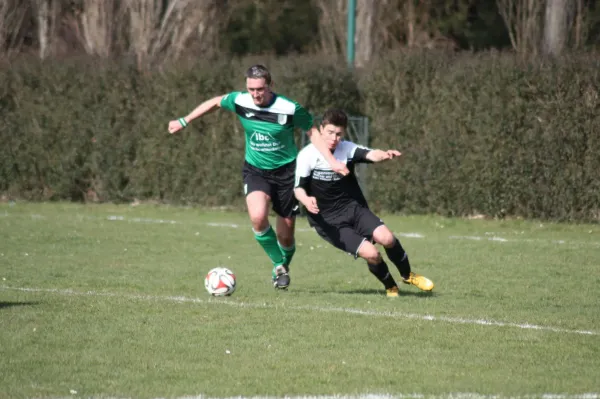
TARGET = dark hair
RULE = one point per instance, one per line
(335, 117)
(259, 72)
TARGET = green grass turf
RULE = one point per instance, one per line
(108, 300)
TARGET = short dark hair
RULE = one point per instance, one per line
(259, 72)
(335, 117)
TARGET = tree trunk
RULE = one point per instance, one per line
(374, 20)
(364, 31)
(47, 14)
(556, 26)
(97, 19)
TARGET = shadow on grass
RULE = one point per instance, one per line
(382, 293)
(371, 291)
(4, 305)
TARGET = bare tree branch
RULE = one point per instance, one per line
(374, 20)
(331, 28)
(12, 17)
(379, 25)
(156, 32)
(97, 21)
(523, 20)
(506, 7)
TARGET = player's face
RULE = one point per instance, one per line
(332, 135)
(259, 90)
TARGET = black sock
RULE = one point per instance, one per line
(399, 258)
(382, 273)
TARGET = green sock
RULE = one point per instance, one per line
(288, 254)
(268, 241)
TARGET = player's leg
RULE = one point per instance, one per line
(258, 202)
(378, 267)
(285, 234)
(344, 237)
(286, 207)
(382, 235)
(258, 209)
(285, 238)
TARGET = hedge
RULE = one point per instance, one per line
(480, 133)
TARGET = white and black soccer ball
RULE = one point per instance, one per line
(220, 281)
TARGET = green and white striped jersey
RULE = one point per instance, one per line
(269, 130)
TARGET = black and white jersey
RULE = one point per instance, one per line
(333, 191)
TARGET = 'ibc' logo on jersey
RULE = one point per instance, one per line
(260, 137)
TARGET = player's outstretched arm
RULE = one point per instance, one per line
(309, 202)
(202, 109)
(380, 155)
(319, 143)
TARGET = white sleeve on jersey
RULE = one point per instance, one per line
(349, 148)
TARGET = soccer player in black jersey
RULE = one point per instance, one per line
(338, 210)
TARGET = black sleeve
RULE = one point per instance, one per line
(360, 155)
(303, 169)
(303, 182)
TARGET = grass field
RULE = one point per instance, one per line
(108, 301)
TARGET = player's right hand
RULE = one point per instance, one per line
(340, 168)
(311, 205)
(393, 154)
(174, 126)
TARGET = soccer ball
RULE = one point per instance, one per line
(220, 281)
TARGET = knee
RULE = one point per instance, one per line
(382, 235)
(368, 252)
(285, 231)
(285, 238)
(259, 221)
(258, 210)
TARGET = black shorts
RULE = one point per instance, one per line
(276, 183)
(349, 229)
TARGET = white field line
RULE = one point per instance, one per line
(401, 234)
(489, 237)
(237, 226)
(478, 238)
(456, 395)
(410, 235)
(532, 240)
(140, 220)
(322, 309)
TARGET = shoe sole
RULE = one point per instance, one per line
(426, 289)
(282, 282)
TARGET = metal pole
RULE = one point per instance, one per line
(351, 30)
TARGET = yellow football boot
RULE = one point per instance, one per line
(421, 282)
(392, 292)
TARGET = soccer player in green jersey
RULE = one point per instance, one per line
(269, 120)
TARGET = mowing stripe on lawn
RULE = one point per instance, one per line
(361, 312)
(492, 238)
(456, 395)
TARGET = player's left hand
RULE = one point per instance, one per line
(311, 205)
